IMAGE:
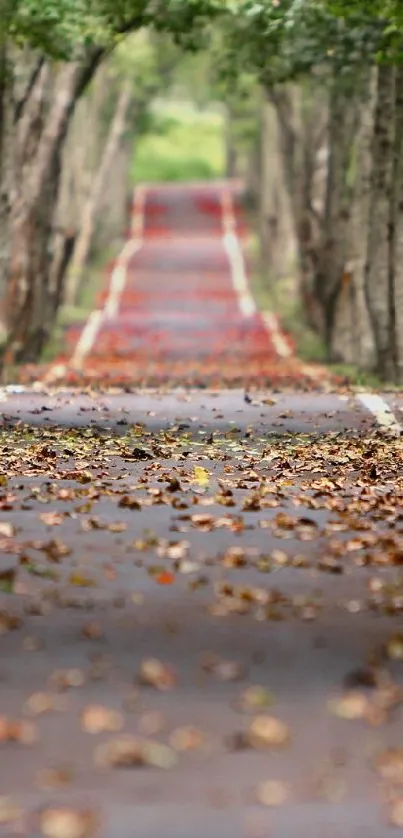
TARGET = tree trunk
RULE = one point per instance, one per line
(332, 279)
(230, 148)
(378, 274)
(353, 340)
(396, 237)
(300, 125)
(89, 216)
(117, 199)
(276, 234)
(41, 120)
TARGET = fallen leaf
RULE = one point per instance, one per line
(6, 529)
(201, 476)
(154, 673)
(52, 519)
(254, 698)
(389, 764)
(396, 813)
(98, 719)
(165, 578)
(7, 580)
(39, 703)
(134, 752)
(268, 732)
(394, 647)
(353, 705)
(9, 622)
(10, 811)
(187, 739)
(81, 580)
(68, 823)
(55, 778)
(272, 793)
(17, 730)
(92, 630)
(64, 679)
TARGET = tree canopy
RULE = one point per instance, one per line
(59, 27)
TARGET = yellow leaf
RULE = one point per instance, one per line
(201, 476)
(81, 581)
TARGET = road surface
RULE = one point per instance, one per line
(201, 591)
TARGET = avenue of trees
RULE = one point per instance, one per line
(324, 79)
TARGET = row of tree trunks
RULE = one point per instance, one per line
(348, 222)
(38, 114)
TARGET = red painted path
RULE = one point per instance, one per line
(177, 305)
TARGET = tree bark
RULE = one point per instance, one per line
(41, 121)
(378, 274)
(332, 279)
(276, 234)
(300, 125)
(89, 215)
(396, 237)
(230, 149)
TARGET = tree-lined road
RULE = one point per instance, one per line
(177, 307)
(200, 590)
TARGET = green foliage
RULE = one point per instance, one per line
(286, 40)
(60, 27)
(181, 145)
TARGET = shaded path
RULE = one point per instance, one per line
(234, 540)
(178, 307)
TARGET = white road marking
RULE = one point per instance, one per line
(245, 299)
(236, 260)
(281, 345)
(381, 411)
(116, 288)
(87, 339)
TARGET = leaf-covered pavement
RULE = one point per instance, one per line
(201, 590)
(200, 616)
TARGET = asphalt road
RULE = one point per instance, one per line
(241, 597)
(201, 591)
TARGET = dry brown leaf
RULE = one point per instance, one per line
(6, 529)
(229, 671)
(134, 752)
(68, 823)
(187, 739)
(353, 705)
(17, 730)
(268, 732)
(389, 765)
(394, 647)
(10, 811)
(272, 793)
(92, 630)
(55, 778)
(64, 679)
(396, 813)
(98, 719)
(39, 703)
(154, 673)
(9, 622)
(52, 519)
